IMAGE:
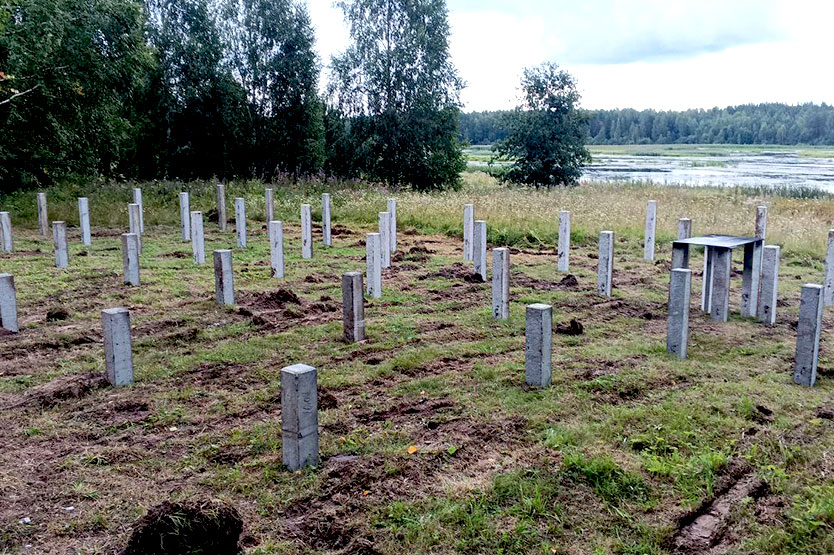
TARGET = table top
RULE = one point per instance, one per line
(723, 241)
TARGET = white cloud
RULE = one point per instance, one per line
(659, 54)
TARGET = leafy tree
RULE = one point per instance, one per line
(547, 133)
(199, 116)
(68, 72)
(271, 52)
(399, 89)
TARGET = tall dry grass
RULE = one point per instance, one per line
(515, 215)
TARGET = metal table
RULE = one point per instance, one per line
(715, 295)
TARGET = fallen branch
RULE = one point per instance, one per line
(15, 95)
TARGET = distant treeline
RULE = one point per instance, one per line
(748, 124)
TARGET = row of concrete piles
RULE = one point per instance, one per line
(299, 410)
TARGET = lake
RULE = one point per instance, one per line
(713, 165)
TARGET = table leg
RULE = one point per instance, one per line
(722, 261)
(680, 256)
(706, 289)
(750, 279)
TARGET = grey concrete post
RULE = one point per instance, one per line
(808, 335)
(185, 216)
(751, 280)
(373, 262)
(240, 221)
(605, 267)
(761, 222)
(43, 214)
(501, 283)
(130, 258)
(325, 220)
(468, 231)
(224, 279)
(84, 220)
(722, 260)
(684, 229)
(221, 206)
(392, 215)
(306, 232)
(118, 348)
(270, 205)
(538, 344)
(6, 232)
(353, 306)
(385, 239)
(770, 284)
(677, 322)
(59, 239)
(137, 199)
(299, 416)
(651, 227)
(133, 213)
(680, 255)
(276, 248)
(8, 303)
(479, 248)
(761, 232)
(563, 254)
(706, 288)
(198, 240)
(828, 284)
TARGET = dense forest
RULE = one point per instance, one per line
(748, 124)
(185, 89)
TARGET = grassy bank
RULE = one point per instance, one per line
(516, 216)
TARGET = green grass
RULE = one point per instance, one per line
(624, 442)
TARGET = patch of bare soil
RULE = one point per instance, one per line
(523, 280)
(337, 518)
(61, 389)
(702, 530)
(418, 253)
(187, 528)
(456, 271)
(278, 310)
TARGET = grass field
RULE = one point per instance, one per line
(430, 440)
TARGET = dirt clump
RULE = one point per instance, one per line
(455, 271)
(574, 327)
(57, 314)
(275, 300)
(66, 387)
(826, 413)
(569, 281)
(185, 528)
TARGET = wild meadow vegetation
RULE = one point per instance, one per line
(430, 440)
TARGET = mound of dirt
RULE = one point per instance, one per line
(569, 281)
(575, 327)
(455, 271)
(66, 387)
(186, 528)
(275, 300)
(57, 314)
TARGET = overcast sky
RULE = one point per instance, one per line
(662, 54)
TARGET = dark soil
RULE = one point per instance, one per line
(187, 528)
(57, 314)
(456, 271)
(702, 529)
(574, 327)
(61, 389)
